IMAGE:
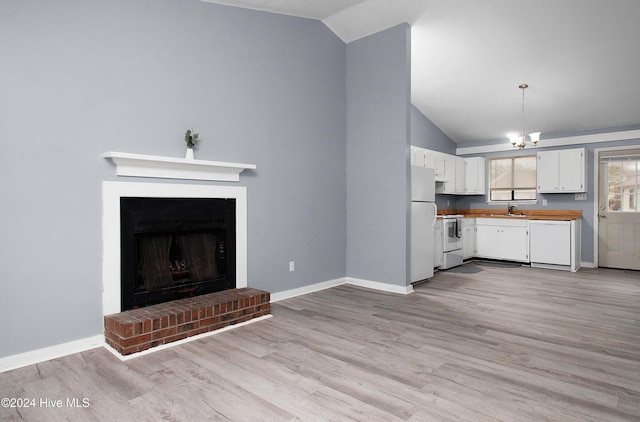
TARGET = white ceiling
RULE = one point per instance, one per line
(581, 59)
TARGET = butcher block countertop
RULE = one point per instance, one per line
(566, 215)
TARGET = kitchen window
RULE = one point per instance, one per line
(512, 179)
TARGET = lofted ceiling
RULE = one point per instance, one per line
(580, 58)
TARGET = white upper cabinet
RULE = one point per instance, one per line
(562, 171)
(418, 156)
(455, 175)
(436, 161)
(439, 165)
(459, 188)
(474, 176)
(422, 157)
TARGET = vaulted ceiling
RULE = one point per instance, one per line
(580, 58)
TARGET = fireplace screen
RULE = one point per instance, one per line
(176, 248)
(173, 259)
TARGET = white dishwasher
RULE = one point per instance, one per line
(550, 242)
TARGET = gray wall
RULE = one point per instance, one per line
(425, 134)
(378, 140)
(83, 77)
(555, 201)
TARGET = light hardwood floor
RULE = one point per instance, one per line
(477, 343)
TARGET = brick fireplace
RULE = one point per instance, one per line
(135, 330)
(139, 329)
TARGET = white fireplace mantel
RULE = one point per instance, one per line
(139, 165)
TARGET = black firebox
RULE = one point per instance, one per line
(172, 248)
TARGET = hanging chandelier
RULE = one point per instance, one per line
(520, 140)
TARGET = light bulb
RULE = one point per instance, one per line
(535, 137)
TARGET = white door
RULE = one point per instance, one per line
(618, 209)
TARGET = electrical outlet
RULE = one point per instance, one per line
(581, 196)
(448, 203)
(292, 265)
(544, 202)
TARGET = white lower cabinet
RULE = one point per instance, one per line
(437, 244)
(468, 238)
(555, 244)
(499, 238)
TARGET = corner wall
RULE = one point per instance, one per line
(378, 141)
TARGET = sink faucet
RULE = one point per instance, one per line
(510, 208)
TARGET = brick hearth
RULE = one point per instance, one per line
(140, 329)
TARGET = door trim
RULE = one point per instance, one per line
(596, 188)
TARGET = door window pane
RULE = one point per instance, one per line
(623, 181)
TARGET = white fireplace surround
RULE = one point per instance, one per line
(111, 194)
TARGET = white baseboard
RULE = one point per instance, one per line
(583, 264)
(286, 294)
(376, 285)
(53, 352)
(551, 266)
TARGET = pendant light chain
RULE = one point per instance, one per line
(523, 86)
(520, 140)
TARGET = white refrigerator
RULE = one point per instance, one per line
(423, 219)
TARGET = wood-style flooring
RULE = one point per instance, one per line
(476, 343)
